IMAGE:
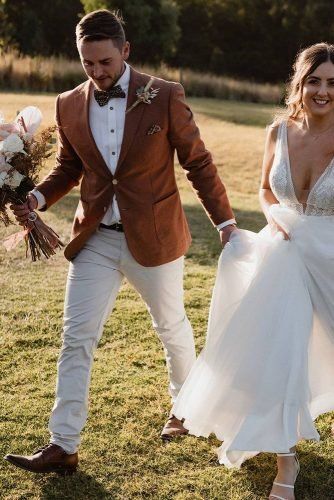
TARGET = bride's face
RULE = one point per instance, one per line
(318, 90)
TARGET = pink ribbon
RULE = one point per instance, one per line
(12, 241)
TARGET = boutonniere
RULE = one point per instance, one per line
(144, 94)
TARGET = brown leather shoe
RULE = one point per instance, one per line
(173, 428)
(49, 458)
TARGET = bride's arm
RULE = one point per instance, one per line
(266, 196)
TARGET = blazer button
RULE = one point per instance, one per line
(115, 181)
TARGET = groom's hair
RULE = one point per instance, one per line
(101, 25)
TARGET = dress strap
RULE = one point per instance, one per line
(284, 485)
(284, 136)
(280, 149)
(279, 132)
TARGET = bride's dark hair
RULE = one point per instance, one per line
(306, 62)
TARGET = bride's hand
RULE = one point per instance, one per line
(276, 228)
(226, 232)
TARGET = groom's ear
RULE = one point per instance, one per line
(126, 51)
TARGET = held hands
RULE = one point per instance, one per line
(226, 232)
(22, 212)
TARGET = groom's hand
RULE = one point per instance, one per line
(226, 232)
(22, 212)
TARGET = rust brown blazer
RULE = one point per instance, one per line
(144, 183)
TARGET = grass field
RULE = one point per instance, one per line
(121, 455)
(51, 74)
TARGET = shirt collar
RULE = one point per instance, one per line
(124, 80)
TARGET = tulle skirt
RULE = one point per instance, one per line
(267, 369)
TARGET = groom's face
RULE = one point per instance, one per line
(103, 61)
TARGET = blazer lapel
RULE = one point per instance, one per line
(82, 112)
(133, 118)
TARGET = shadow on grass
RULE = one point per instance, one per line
(315, 480)
(64, 210)
(80, 486)
(236, 112)
(206, 247)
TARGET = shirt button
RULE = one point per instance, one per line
(111, 108)
(112, 130)
(115, 181)
(113, 153)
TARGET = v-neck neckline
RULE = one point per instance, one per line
(290, 173)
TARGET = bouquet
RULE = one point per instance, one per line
(22, 154)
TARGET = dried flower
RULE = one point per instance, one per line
(21, 157)
(144, 94)
(14, 178)
(3, 175)
(12, 144)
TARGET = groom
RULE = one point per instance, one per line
(117, 135)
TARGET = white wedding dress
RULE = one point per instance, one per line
(267, 369)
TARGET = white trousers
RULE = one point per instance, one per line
(94, 279)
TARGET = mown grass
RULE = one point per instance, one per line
(121, 455)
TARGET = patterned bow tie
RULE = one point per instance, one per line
(102, 97)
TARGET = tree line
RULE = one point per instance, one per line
(248, 39)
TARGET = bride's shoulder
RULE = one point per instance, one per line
(272, 132)
(274, 128)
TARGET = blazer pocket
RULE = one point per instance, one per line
(165, 197)
(168, 217)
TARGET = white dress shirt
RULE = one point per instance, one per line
(107, 126)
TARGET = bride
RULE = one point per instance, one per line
(267, 369)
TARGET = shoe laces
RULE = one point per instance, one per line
(42, 448)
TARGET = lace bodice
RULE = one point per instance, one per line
(320, 200)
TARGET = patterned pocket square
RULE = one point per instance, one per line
(154, 129)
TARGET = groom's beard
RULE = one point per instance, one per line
(114, 80)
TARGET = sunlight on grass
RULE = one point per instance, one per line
(121, 455)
